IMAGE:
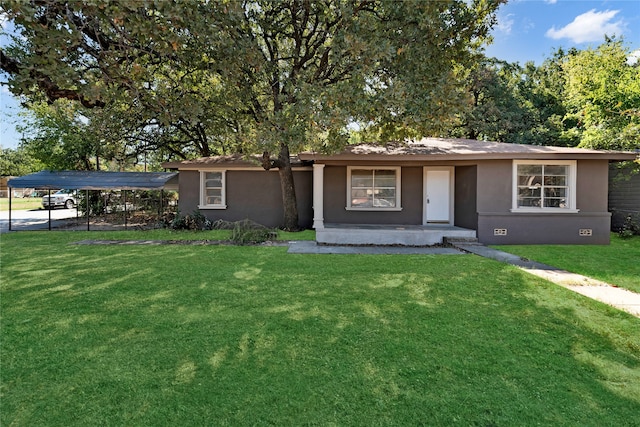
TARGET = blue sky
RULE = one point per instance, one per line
(527, 30)
(531, 30)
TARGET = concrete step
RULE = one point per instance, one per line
(457, 240)
(409, 236)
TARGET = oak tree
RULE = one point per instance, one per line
(273, 77)
(603, 96)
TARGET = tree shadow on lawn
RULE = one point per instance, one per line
(249, 337)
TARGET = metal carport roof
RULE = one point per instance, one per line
(96, 180)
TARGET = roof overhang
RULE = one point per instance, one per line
(230, 162)
(96, 180)
(441, 149)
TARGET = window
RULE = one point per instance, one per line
(373, 188)
(547, 186)
(212, 190)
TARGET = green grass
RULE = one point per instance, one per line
(18, 204)
(617, 264)
(222, 335)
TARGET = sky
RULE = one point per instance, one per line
(531, 30)
(527, 30)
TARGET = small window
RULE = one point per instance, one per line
(373, 188)
(212, 190)
(544, 186)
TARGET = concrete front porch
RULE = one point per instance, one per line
(405, 235)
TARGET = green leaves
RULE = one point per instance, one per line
(603, 90)
(204, 78)
(289, 72)
(17, 162)
(589, 98)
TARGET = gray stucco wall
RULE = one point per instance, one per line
(494, 204)
(465, 199)
(483, 194)
(335, 199)
(255, 195)
(624, 195)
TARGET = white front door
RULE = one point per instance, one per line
(438, 190)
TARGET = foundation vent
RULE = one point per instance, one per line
(586, 232)
(499, 231)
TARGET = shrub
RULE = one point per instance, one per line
(96, 202)
(245, 232)
(630, 227)
(194, 221)
(248, 232)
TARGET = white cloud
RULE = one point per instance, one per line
(4, 20)
(551, 1)
(528, 25)
(633, 57)
(505, 23)
(589, 27)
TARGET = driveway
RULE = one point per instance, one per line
(36, 219)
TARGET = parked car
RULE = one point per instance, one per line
(64, 198)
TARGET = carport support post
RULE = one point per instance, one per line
(49, 191)
(125, 208)
(87, 208)
(10, 193)
(77, 208)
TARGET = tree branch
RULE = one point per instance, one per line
(44, 82)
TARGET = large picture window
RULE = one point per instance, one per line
(373, 188)
(544, 186)
(212, 190)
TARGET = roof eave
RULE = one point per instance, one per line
(473, 156)
(211, 165)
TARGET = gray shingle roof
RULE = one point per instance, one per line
(94, 180)
(462, 149)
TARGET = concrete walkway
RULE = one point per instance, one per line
(36, 219)
(595, 289)
(312, 247)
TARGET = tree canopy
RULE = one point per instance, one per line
(588, 98)
(17, 162)
(603, 96)
(199, 77)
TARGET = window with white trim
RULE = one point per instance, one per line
(372, 188)
(212, 190)
(544, 186)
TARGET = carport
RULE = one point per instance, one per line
(94, 180)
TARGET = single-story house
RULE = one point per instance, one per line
(419, 192)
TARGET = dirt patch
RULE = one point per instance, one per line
(175, 242)
(113, 222)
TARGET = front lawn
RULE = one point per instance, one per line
(617, 264)
(178, 335)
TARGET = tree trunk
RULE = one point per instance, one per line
(287, 185)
